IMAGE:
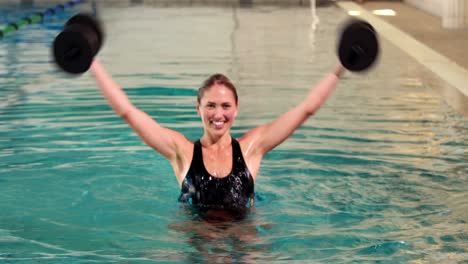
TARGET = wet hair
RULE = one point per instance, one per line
(218, 79)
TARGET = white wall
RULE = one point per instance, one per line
(454, 13)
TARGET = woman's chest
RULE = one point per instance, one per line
(218, 163)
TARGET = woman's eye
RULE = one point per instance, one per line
(226, 106)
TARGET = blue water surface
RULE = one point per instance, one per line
(378, 175)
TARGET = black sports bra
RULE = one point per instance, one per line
(200, 188)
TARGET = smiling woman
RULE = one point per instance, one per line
(218, 171)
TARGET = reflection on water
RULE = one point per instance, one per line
(223, 241)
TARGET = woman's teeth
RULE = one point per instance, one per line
(218, 124)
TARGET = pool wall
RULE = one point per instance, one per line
(178, 2)
(452, 12)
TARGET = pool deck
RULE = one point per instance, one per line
(442, 51)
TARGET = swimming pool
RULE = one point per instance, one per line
(379, 174)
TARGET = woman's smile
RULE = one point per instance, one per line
(218, 124)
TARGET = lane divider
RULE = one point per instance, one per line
(37, 17)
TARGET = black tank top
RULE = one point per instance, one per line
(235, 191)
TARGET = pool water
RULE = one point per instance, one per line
(379, 174)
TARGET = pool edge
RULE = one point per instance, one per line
(446, 69)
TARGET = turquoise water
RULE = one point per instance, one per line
(379, 174)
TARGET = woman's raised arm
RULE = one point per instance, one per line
(169, 143)
(264, 138)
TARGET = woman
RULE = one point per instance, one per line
(216, 171)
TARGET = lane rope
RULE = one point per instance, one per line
(37, 17)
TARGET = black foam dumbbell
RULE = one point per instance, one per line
(75, 47)
(358, 47)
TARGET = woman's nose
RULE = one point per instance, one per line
(219, 112)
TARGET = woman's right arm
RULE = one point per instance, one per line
(169, 143)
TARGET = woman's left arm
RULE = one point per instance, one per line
(264, 138)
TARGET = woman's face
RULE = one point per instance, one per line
(218, 109)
